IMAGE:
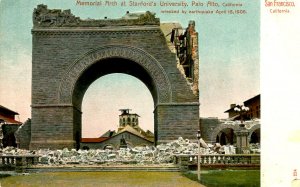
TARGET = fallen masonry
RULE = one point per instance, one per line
(159, 155)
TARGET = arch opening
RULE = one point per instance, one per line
(255, 136)
(226, 136)
(109, 67)
(104, 99)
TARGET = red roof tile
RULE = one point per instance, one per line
(10, 120)
(93, 140)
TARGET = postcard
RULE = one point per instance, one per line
(85, 74)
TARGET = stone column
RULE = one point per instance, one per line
(242, 140)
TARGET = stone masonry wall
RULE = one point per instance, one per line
(52, 127)
(208, 125)
(174, 120)
(56, 50)
(23, 135)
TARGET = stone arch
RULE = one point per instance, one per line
(220, 127)
(252, 130)
(162, 88)
(61, 77)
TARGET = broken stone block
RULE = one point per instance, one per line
(111, 156)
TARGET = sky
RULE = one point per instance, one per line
(229, 51)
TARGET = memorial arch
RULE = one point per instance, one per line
(68, 54)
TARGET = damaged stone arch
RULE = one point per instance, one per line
(106, 60)
(68, 57)
(70, 90)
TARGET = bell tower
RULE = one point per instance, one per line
(126, 118)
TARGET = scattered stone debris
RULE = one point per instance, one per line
(255, 148)
(161, 154)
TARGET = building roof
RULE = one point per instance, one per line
(108, 134)
(93, 140)
(9, 120)
(251, 99)
(229, 110)
(2, 108)
(127, 128)
(129, 114)
(136, 132)
(148, 132)
(234, 117)
(126, 111)
(130, 129)
(245, 102)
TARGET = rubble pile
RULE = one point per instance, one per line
(248, 123)
(161, 154)
(255, 148)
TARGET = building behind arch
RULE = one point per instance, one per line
(128, 134)
(222, 131)
(8, 126)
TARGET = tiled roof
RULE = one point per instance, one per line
(93, 140)
(134, 131)
(9, 120)
(245, 102)
(131, 130)
(253, 98)
(108, 134)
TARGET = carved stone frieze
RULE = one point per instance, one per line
(138, 56)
